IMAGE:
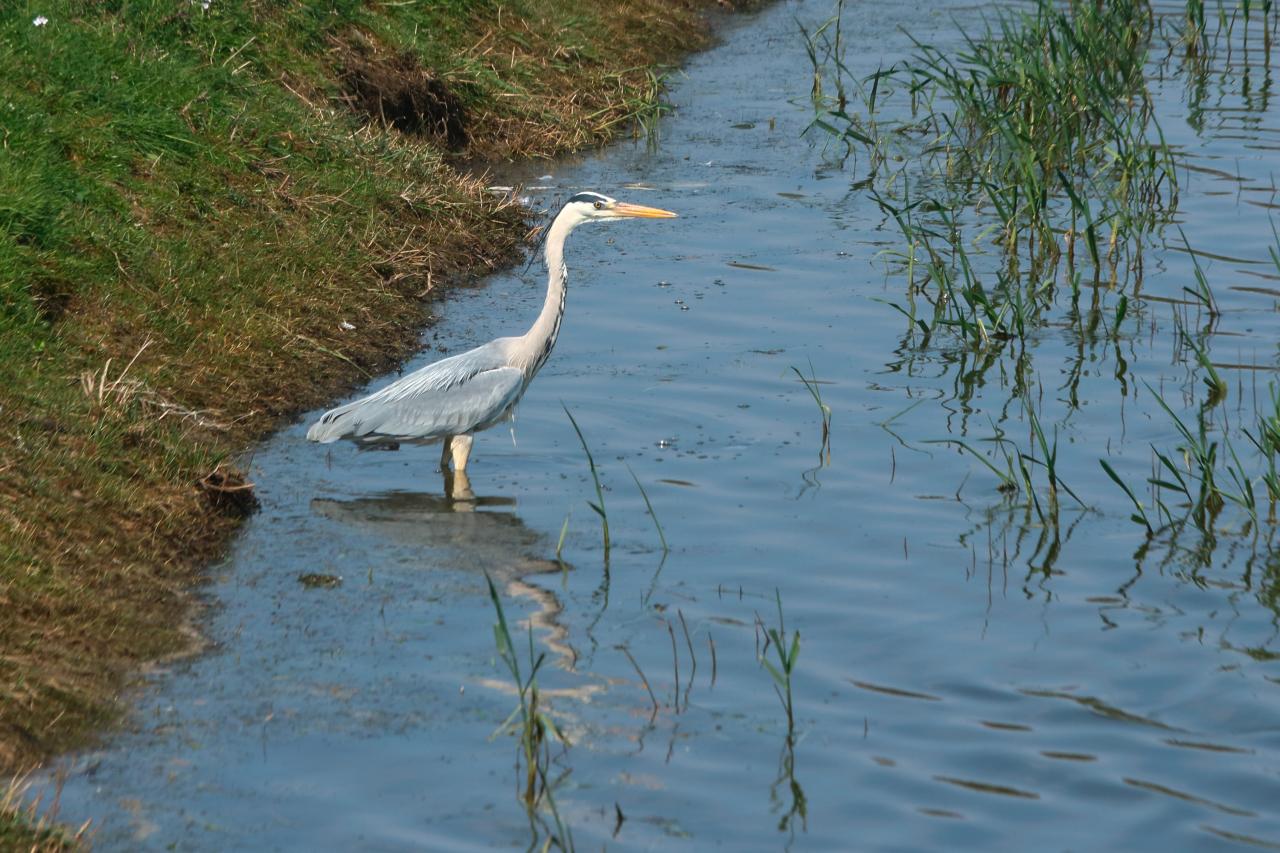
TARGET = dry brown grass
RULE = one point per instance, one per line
(583, 93)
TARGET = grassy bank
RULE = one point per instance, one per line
(213, 215)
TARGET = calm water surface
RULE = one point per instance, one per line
(967, 679)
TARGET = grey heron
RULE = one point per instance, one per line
(453, 398)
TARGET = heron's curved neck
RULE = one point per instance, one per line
(541, 337)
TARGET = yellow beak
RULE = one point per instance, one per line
(639, 210)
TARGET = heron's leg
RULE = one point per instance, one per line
(460, 446)
(458, 489)
(457, 485)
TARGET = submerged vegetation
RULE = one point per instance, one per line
(213, 215)
(787, 650)
(598, 505)
(1031, 182)
(535, 730)
(1037, 145)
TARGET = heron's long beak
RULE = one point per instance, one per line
(639, 210)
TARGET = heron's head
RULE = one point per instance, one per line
(592, 207)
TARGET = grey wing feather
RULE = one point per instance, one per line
(474, 404)
(456, 395)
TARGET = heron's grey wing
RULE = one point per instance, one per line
(452, 396)
(470, 404)
(446, 373)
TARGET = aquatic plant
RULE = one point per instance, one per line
(1139, 515)
(1010, 482)
(1194, 470)
(787, 652)
(1212, 379)
(533, 728)
(1048, 460)
(1038, 135)
(564, 531)
(1203, 293)
(598, 505)
(786, 778)
(1017, 475)
(648, 107)
(648, 505)
(643, 680)
(1266, 438)
(1051, 98)
(1194, 35)
(811, 385)
(1274, 248)
(1032, 162)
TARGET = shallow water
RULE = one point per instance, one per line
(963, 680)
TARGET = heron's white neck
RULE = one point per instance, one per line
(541, 337)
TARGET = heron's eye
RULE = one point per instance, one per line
(599, 205)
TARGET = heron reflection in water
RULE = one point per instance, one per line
(450, 400)
(482, 534)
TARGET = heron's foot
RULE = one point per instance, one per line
(457, 487)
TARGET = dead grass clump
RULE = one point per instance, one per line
(394, 88)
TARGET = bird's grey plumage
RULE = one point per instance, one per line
(477, 389)
(460, 394)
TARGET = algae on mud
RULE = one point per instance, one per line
(213, 215)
